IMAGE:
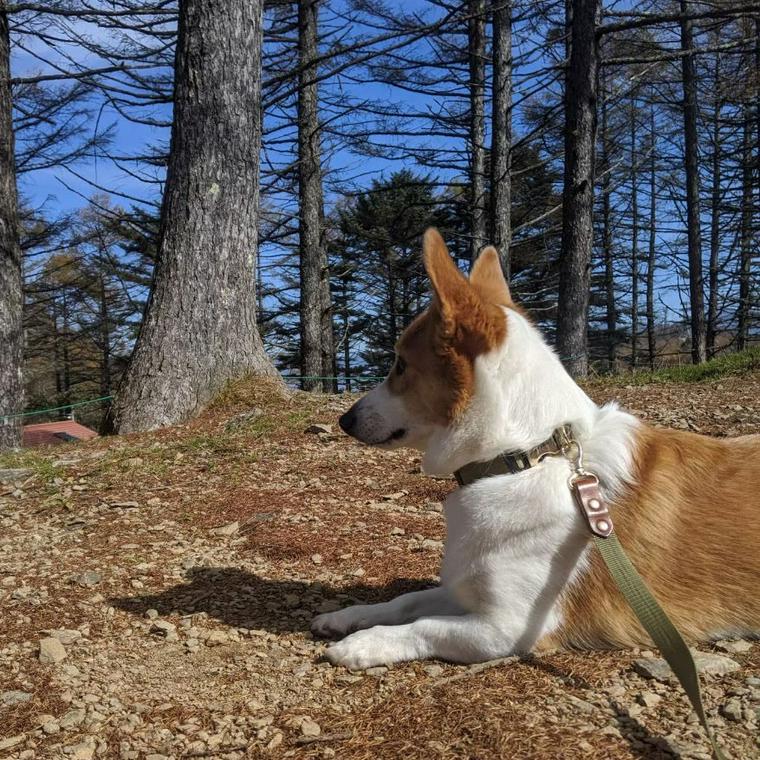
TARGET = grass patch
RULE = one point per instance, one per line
(738, 363)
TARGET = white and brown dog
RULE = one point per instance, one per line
(474, 378)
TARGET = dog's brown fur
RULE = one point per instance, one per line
(690, 523)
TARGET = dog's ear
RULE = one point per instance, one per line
(487, 277)
(453, 294)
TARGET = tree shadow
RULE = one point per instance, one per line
(244, 600)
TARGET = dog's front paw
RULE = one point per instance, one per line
(338, 624)
(366, 649)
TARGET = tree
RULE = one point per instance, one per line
(315, 305)
(476, 44)
(501, 132)
(200, 328)
(11, 284)
(691, 162)
(578, 188)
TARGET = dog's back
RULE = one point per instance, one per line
(690, 523)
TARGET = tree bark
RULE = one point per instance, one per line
(11, 283)
(651, 334)
(315, 306)
(634, 242)
(199, 329)
(477, 58)
(501, 132)
(578, 191)
(607, 254)
(691, 161)
(745, 242)
(712, 298)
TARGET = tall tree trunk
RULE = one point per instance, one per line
(501, 132)
(316, 338)
(578, 190)
(745, 242)
(712, 299)
(106, 422)
(11, 284)
(607, 253)
(651, 334)
(200, 328)
(476, 37)
(691, 161)
(634, 242)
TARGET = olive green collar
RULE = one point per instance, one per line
(512, 462)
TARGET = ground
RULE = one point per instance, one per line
(156, 592)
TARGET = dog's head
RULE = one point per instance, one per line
(432, 381)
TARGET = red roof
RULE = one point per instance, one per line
(47, 433)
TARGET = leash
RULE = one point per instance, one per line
(654, 620)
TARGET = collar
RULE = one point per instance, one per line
(511, 462)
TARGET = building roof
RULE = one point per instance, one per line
(47, 433)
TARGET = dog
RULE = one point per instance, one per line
(473, 378)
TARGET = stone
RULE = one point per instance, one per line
(648, 699)
(151, 614)
(316, 559)
(217, 638)
(708, 663)
(732, 709)
(165, 629)
(51, 651)
(72, 718)
(123, 505)
(14, 697)
(65, 635)
(379, 670)
(740, 646)
(13, 475)
(88, 579)
(319, 428)
(84, 750)
(227, 530)
(11, 741)
(310, 728)
(433, 670)
(243, 419)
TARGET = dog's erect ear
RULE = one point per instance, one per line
(453, 292)
(487, 277)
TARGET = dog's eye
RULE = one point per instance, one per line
(400, 365)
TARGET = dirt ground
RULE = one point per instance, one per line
(156, 592)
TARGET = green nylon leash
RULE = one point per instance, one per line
(657, 624)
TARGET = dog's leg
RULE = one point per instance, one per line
(465, 638)
(402, 609)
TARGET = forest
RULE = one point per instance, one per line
(192, 191)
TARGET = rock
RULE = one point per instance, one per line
(310, 728)
(123, 505)
(14, 475)
(732, 709)
(227, 530)
(319, 428)
(11, 741)
(164, 629)
(398, 532)
(217, 638)
(263, 722)
(51, 651)
(712, 664)
(151, 614)
(376, 671)
(316, 559)
(14, 697)
(740, 646)
(84, 750)
(88, 579)
(65, 635)
(648, 699)
(433, 670)
(72, 718)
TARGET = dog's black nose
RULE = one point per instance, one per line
(347, 421)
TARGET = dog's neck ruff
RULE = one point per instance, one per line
(512, 462)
